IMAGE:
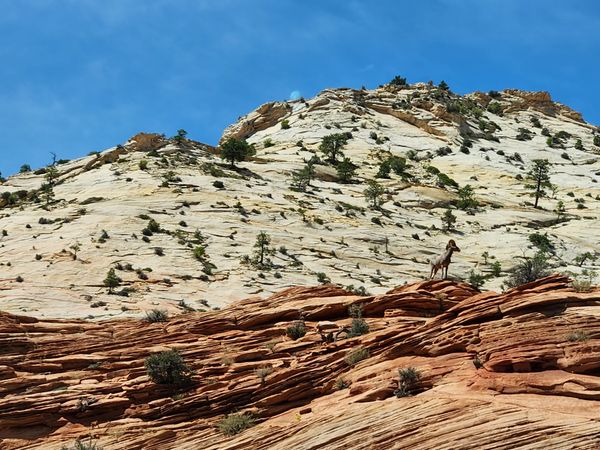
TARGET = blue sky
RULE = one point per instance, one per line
(83, 75)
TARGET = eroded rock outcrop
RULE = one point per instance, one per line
(514, 369)
(263, 117)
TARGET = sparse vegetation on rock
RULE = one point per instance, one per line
(448, 220)
(332, 145)
(235, 423)
(112, 280)
(528, 270)
(374, 193)
(408, 383)
(538, 179)
(346, 170)
(157, 315)
(356, 355)
(236, 150)
(263, 250)
(167, 367)
(296, 330)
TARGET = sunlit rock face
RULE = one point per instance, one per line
(55, 257)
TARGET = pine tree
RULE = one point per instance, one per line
(302, 178)
(263, 240)
(560, 209)
(180, 136)
(448, 220)
(112, 280)
(384, 169)
(332, 145)
(236, 150)
(346, 170)
(538, 178)
(374, 193)
(47, 192)
(466, 200)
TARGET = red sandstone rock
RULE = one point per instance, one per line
(536, 348)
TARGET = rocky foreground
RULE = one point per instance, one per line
(512, 370)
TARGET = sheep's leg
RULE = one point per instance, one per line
(431, 273)
(445, 272)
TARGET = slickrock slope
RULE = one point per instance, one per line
(54, 258)
(535, 383)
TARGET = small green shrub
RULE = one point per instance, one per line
(496, 269)
(578, 336)
(495, 108)
(218, 184)
(398, 81)
(143, 164)
(285, 124)
(530, 269)
(322, 278)
(296, 330)
(356, 355)
(524, 134)
(445, 180)
(153, 226)
(536, 122)
(233, 424)
(476, 279)
(358, 326)
(408, 383)
(167, 368)
(542, 242)
(263, 372)
(157, 315)
(200, 252)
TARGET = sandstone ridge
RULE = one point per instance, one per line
(518, 368)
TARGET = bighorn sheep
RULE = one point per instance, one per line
(444, 260)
